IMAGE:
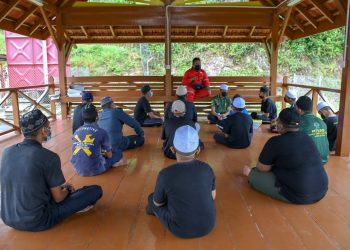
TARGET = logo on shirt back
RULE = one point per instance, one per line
(83, 145)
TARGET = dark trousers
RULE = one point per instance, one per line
(74, 202)
(265, 120)
(213, 119)
(132, 141)
(152, 122)
(220, 138)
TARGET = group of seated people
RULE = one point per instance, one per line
(35, 195)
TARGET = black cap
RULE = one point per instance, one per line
(32, 121)
(289, 117)
(145, 89)
(304, 103)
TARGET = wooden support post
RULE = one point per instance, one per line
(15, 109)
(284, 91)
(52, 92)
(314, 101)
(62, 81)
(274, 55)
(168, 77)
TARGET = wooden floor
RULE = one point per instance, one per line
(245, 218)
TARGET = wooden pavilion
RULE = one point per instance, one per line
(246, 219)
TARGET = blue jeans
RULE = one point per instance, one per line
(73, 203)
(117, 154)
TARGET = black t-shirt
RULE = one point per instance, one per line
(297, 165)
(186, 188)
(170, 127)
(27, 173)
(239, 127)
(332, 123)
(268, 106)
(78, 117)
(142, 108)
(191, 112)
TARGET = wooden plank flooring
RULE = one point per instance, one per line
(245, 218)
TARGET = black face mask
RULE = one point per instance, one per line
(261, 97)
(323, 117)
(197, 67)
(224, 93)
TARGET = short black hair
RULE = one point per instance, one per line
(195, 59)
(264, 89)
(239, 109)
(304, 103)
(145, 89)
(89, 113)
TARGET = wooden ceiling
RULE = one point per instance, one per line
(144, 21)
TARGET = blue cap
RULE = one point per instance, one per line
(87, 96)
(105, 100)
(239, 103)
(186, 139)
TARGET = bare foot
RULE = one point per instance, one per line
(121, 162)
(246, 170)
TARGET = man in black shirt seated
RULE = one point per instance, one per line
(331, 120)
(183, 199)
(290, 167)
(143, 112)
(34, 192)
(86, 98)
(268, 107)
(237, 128)
(179, 119)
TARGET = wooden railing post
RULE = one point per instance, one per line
(15, 108)
(52, 92)
(284, 91)
(314, 101)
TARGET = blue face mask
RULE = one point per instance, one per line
(151, 93)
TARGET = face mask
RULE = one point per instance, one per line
(323, 117)
(224, 93)
(261, 97)
(150, 93)
(285, 99)
(197, 67)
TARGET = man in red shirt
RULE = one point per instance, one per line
(196, 81)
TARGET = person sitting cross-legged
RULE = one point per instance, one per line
(112, 120)
(183, 199)
(331, 120)
(34, 192)
(237, 128)
(290, 167)
(92, 151)
(143, 112)
(220, 106)
(178, 119)
(268, 107)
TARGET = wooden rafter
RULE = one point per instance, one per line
(225, 31)
(84, 31)
(297, 23)
(25, 16)
(307, 16)
(340, 7)
(325, 12)
(251, 31)
(112, 31)
(285, 24)
(7, 10)
(48, 25)
(141, 31)
(36, 25)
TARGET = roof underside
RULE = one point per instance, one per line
(144, 21)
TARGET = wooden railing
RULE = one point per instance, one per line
(125, 90)
(17, 97)
(316, 93)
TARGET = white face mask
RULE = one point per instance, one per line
(150, 93)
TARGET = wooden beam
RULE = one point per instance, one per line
(324, 11)
(225, 31)
(307, 16)
(7, 9)
(48, 25)
(23, 30)
(274, 54)
(340, 7)
(196, 32)
(25, 16)
(60, 31)
(251, 31)
(15, 108)
(112, 31)
(266, 3)
(84, 31)
(285, 24)
(62, 80)
(297, 23)
(268, 50)
(141, 31)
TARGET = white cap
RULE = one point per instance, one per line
(291, 94)
(181, 90)
(186, 139)
(322, 105)
(239, 103)
(178, 106)
(224, 87)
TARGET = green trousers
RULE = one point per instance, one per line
(264, 182)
